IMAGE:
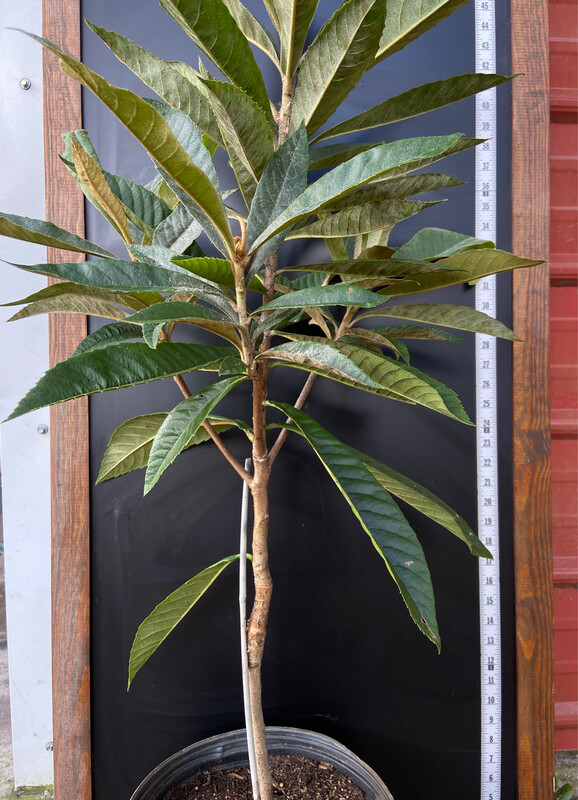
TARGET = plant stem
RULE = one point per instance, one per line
(257, 628)
(243, 629)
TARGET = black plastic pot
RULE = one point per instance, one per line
(230, 750)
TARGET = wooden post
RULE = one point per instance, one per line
(70, 496)
(531, 403)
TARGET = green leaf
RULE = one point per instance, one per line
(178, 231)
(359, 219)
(394, 189)
(361, 169)
(450, 316)
(182, 91)
(117, 367)
(47, 234)
(335, 61)
(331, 155)
(92, 178)
(214, 31)
(167, 615)
(377, 337)
(132, 276)
(130, 445)
(415, 332)
(252, 29)
(67, 288)
(108, 334)
(193, 143)
(294, 19)
(381, 519)
(71, 304)
(181, 424)
(435, 243)
(283, 180)
(414, 102)
(464, 267)
(424, 501)
(387, 269)
(140, 201)
(153, 132)
(337, 294)
(245, 131)
(199, 316)
(406, 20)
(372, 372)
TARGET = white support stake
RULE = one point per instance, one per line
(487, 420)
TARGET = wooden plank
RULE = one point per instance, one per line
(532, 503)
(69, 442)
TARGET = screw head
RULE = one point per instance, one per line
(25, 84)
(42, 429)
(49, 747)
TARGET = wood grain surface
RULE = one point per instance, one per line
(531, 403)
(69, 441)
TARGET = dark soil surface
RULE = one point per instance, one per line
(294, 778)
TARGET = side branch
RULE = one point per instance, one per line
(179, 380)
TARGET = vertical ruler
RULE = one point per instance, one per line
(487, 419)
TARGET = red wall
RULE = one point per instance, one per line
(564, 359)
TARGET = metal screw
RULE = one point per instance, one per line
(49, 747)
(25, 84)
(42, 429)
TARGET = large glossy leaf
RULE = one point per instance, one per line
(132, 276)
(245, 131)
(367, 370)
(284, 179)
(116, 367)
(331, 155)
(460, 317)
(435, 243)
(360, 219)
(334, 295)
(181, 424)
(180, 91)
(424, 501)
(178, 231)
(71, 304)
(113, 333)
(130, 445)
(294, 19)
(68, 288)
(167, 615)
(394, 189)
(407, 19)
(420, 100)
(359, 170)
(193, 313)
(335, 61)
(411, 332)
(92, 178)
(252, 29)
(47, 234)
(387, 268)
(143, 208)
(466, 266)
(389, 531)
(215, 32)
(153, 132)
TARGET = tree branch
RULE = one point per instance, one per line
(307, 386)
(179, 380)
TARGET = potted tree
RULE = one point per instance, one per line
(264, 313)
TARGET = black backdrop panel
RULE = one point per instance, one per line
(343, 656)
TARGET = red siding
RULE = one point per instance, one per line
(564, 360)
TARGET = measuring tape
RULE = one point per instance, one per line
(487, 420)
